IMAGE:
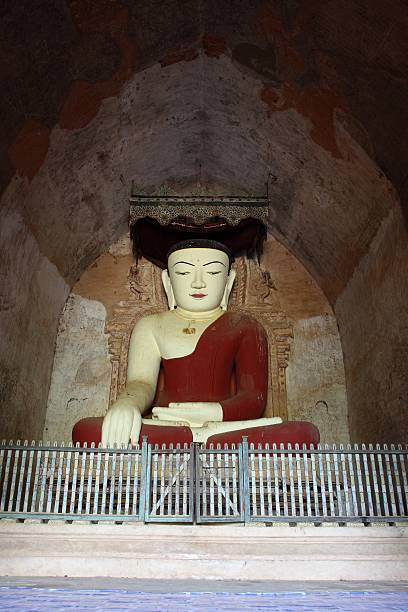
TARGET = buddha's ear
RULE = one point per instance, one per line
(168, 289)
(228, 287)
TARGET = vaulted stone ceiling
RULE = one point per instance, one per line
(224, 94)
(340, 67)
(59, 60)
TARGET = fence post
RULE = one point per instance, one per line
(192, 475)
(244, 479)
(144, 481)
(197, 477)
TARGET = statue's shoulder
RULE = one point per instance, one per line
(243, 322)
(242, 318)
(147, 323)
(153, 321)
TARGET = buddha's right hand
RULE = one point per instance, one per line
(122, 423)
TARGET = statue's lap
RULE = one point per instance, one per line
(89, 431)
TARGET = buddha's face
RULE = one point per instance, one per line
(198, 278)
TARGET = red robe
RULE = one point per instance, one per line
(229, 365)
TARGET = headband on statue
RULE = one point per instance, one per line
(201, 243)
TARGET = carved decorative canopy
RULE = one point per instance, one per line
(158, 222)
(198, 209)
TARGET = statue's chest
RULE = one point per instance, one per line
(180, 339)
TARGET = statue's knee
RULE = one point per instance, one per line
(87, 431)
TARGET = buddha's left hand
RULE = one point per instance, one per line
(194, 414)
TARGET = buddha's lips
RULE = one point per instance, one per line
(198, 295)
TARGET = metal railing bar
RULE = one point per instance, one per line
(397, 481)
(390, 483)
(14, 476)
(20, 487)
(314, 483)
(235, 458)
(43, 480)
(51, 480)
(81, 483)
(384, 498)
(268, 480)
(322, 481)
(360, 486)
(330, 484)
(327, 450)
(299, 482)
(28, 482)
(276, 481)
(367, 482)
(291, 485)
(59, 482)
(227, 485)
(74, 481)
(339, 496)
(99, 457)
(127, 483)
(307, 481)
(170, 487)
(186, 458)
(350, 457)
(177, 500)
(105, 481)
(345, 481)
(404, 478)
(253, 480)
(134, 467)
(375, 481)
(120, 482)
(219, 494)
(66, 483)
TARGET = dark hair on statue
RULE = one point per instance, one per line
(201, 243)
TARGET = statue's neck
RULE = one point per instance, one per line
(199, 316)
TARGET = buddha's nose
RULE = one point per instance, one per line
(198, 281)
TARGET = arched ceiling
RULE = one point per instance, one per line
(315, 93)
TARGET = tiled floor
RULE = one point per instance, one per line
(45, 595)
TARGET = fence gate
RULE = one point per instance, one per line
(219, 481)
(170, 484)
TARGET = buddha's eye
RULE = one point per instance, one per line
(182, 273)
(212, 273)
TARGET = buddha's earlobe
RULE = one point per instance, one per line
(168, 289)
(228, 288)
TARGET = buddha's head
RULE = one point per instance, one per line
(199, 276)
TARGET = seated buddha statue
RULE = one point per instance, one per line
(214, 364)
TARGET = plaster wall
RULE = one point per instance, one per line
(315, 379)
(31, 294)
(81, 374)
(373, 319)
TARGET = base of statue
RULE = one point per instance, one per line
(89, 431)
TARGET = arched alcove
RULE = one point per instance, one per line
(213, 116)
(306, 365)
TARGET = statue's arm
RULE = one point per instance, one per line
(251, 368)
(123, 419)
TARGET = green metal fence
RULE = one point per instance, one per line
(203, 485)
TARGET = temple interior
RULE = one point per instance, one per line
(206, 98)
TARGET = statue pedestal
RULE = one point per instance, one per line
(205, 552)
